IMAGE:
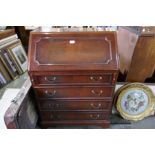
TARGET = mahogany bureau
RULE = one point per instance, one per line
(73, 75)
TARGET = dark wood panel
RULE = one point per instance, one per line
(101, 123)
(53, 116)
(76, 105)
(75, 92)
(55, 51)
(89, 50)
(75, 72)
(73, 79)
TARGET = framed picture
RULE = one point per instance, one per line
(135, 101)
(4, 72)
(2, 80)
(18, 54)
(8, 63)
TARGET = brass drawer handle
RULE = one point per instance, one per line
(98, 93)
(94, 116)
(52, 116)
(53, 106)
(50, 105)
(96, 106)
(55, 117)
(51, 94)
(51, 78)
(96, 78)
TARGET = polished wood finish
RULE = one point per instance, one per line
(101, 123)
(143, 66)
(55, 116)
(71, 57)
(73, 75)
(70, 79)
(75, 92)
(74, 105)
(127, 39)
(6, 33)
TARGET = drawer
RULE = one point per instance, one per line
(83, 124)
(73, 79)
(74, 104)
(75, 92)
(53, 116)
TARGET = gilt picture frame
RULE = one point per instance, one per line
(18, 54)
(2, 80)
(9, 64)
(135, 101)
(4, 72)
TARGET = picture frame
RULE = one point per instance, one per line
(9, 64)
(18, 54)
(4, 72)
(135, 101)
(2, 80)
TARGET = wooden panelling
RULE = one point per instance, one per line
(127, 40)
(142, 65)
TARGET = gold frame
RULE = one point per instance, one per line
(136, 86)
(4, 72)
(9, 50)
(8, 69)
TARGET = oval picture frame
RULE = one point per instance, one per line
(135, 101)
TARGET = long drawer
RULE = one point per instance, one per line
(79, 123)
(73, 79)
(76, 105)
(75, 92)
(53, 116)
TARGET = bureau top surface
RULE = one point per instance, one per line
(72, 50)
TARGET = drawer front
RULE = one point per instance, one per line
(53, 116)
(73, 79)
(74, 105)
(79, 123)
(74, 92)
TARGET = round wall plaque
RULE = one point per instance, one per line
(135, 101)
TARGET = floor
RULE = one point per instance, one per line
(146, 123)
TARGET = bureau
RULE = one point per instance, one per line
(73, 75)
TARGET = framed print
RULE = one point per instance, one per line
(18, 54)
(2, 80)
(4, 72)
(8, 63)
(135, 101)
